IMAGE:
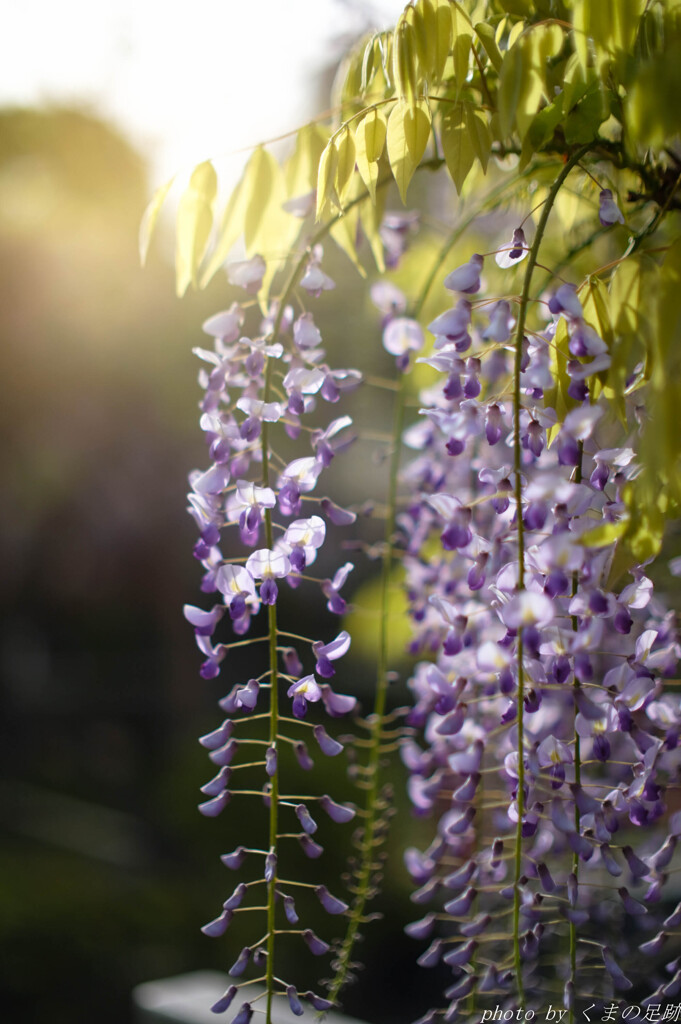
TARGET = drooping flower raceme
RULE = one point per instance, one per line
(530, 638)
(234, 504)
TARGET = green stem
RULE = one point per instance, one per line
(274, 726)
(517, 466)
(372, 819)
(578, 772)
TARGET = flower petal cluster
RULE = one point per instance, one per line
(545, 631)
(255, 535)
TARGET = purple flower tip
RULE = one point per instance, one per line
(224, 1001)
(294, 1001)
(330, 903)
(314, 943)
(327, 745)
(241, 963)
(235, 859)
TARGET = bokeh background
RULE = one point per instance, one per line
(107, 870)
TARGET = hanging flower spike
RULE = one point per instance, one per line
(326, 653)
(304, 691)
(266, 565)
(515, 253)
(609, 212)
(466, 278)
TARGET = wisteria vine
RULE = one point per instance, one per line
(525, 499)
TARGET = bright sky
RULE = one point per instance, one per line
(185, 81)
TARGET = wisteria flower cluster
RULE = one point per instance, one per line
(523, 502)
(251, 385)
(550, 742)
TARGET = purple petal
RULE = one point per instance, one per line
(327, 745)
(314, 943)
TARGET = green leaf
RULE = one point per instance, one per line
(301, 168)
(407, 136)
(544, 123)
(440, 53)
(326, 192)
(582, 123)
(462, 40)
(370, 216)
(557, 397)
(512, 81)
(344, 234)
(194, 224)
(231, 227)
(369, 142)
(404, 60)
(345, 163)
(149, 218)
(262, 171)
(457, 144)
(604, 534)
(485, 34)
(425, 33)
(479, 133)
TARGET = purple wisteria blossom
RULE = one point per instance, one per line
(254, 536)
(599, 735)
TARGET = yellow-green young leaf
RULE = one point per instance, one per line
(522, 8)
(479, 133)
(443, 37)
(515, 33)
(344, 234)
(326, 191)
(457, 145)
(462, 39)
(149, 218)
(557, 397)
(485, 34)
(231, 227)
(407, 136)
(404, 61)
(580, 34)
(301, 167)
(262, 171)
(369, 143)
(547, 42)
(368, 65)
(370, 217)
(425, 33)
(350, 76)
(194, 223)
(512, 80)
(604, 534)
(345, 163)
